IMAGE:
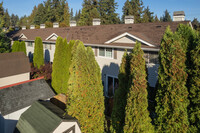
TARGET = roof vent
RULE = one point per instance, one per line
(42, 26)
(96, 21)
(23, 27)
(129, 19)
(32, 27)
(56, 25)
(179, 16)
(72, 23)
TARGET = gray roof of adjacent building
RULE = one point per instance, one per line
(42, 117)
(23, 95)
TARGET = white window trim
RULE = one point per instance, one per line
(54, 34)
(106, 91)
(105, 53)
(130, 35)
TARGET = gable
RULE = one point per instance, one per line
(22, 36)
(52, 37)
(125, 39)
(128, 38)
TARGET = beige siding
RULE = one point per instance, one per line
(125, 39)
(14, 79)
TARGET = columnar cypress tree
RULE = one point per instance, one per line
(85, 92)
(118, 112)
(137, 116)
(38, 56)
(59, 69)
(23, 47)
(172, 93)
(194, 88)
(15, 46)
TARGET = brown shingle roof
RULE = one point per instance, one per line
(13, 64)
(149, 32)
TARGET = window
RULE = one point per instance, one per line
(151, 57)
(47, 46)
(111, 86)
(105, 52)
(30, 44)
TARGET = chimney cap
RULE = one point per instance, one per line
(179, 13)
(129, 17)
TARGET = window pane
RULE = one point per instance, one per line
(109, 52)
(101, 52)
(30, 44)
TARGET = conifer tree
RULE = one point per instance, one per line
(120, 97)
(147, 16)
(15, 46)
(89, 11)
(85, 92)
(137, 116)
(135, 8)
(23, 47)
(156, 19)
(38, 55)
(59, 68)
(194, 88)
(166, 17)
(66, 14)
(107, 10)
(172, 93)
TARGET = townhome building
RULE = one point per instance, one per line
(109, 42)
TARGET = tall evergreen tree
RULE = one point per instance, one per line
(39, 17)
(59, 68)
(135, 8)
(38, 55)
(23, 47)
(107, 10)
(15, 46)
(66, 14)
(194, 87)
(166, 17)
(71, 14)
(120, 97)
(172, 93)
(85, 92)
(137, 116)
(89, 11)
(156, 19)
(147, 16)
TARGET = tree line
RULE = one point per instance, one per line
(59, 11)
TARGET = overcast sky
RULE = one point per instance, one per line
(191, 7)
